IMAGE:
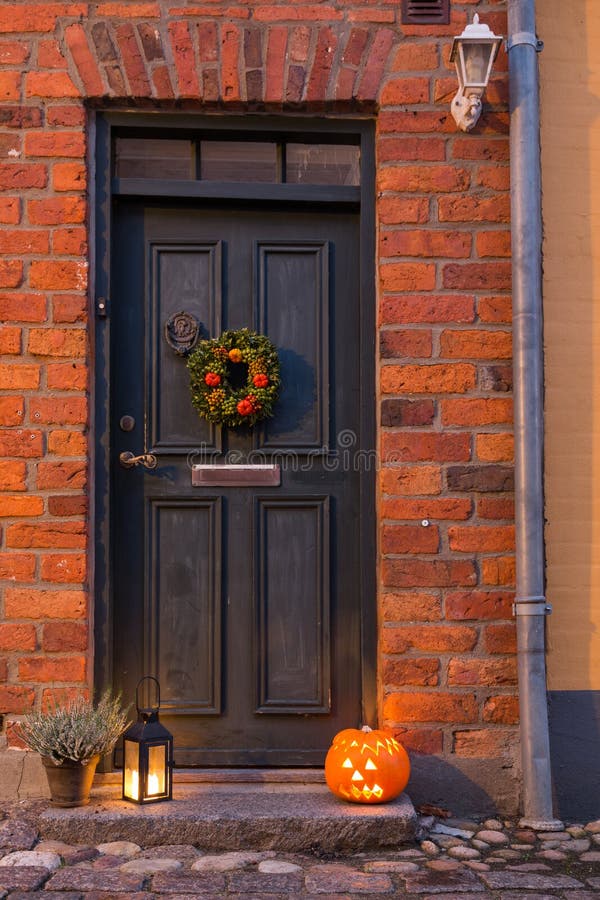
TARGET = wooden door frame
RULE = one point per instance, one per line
(361, 131)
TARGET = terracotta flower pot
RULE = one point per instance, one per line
(70, 782)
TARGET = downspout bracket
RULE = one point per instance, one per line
(525, 37)
(531, 606)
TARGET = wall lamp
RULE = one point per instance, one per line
(473, 54)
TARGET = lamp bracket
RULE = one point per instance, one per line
(525, 37)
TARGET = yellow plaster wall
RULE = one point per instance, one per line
(570, 113)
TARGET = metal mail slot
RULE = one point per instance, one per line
(236, 476)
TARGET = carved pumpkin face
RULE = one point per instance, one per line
(366, 766)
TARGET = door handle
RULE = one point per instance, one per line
(128, 460)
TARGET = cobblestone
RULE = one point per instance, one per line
(450, 861)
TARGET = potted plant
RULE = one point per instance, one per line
(71, 739)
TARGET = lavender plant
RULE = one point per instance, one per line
(77, 731)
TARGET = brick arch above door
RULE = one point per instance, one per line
(201, 59)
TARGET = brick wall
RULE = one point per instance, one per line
(447, 668)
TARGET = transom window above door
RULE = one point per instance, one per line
(249, 160)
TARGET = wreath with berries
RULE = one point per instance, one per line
(235, 378)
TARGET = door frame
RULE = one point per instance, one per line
(354, 130)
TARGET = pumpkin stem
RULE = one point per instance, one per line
(366, 729)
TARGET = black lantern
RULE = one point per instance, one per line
(147, 755)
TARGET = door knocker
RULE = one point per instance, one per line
(181, 332)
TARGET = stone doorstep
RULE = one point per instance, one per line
(291, 818)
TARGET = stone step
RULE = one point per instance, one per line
(292, 818)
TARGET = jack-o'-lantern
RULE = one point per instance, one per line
(366, 766)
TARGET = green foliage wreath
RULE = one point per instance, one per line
(235, 378)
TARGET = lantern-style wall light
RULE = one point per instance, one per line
(473, 54)
(147, 755)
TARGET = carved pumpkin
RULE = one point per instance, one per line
(366, 766)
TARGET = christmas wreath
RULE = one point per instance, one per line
(235, 378)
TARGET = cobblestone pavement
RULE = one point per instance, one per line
(455, 858)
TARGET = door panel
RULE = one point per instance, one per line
(244, 601)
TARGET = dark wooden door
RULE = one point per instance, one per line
(245, 601)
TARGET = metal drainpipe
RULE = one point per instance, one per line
(530, 605)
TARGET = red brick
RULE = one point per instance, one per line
(275, 65)
(24, 242)
(498, 570)
(430, 638)
(70, 342)
(411, 148)
(402, 90)
(495, 178)
(69, 308)
(3, 670)
(10, 210)
(493, 243)
(406, 412)
(57, 211)
(480, 147)
(43, 669)
(407, 276)
(10, 145)
(418, 671)
(482, 478)
(68, 115)
(322, 64)
(500, 639)
(420, 740)
(67, 506)
(485, 744)
(17, 566)
(429, 508)
(22, 307)
(58, 411)
(411, 607)
(375, 63)
(482, 672)
(424, 122)
(403, 573)
(409, 539)
(13, 476)
(50, 55)
(23, 443)
(475, 411)
(495, 309)
(495, 447)
(55, 143)
(12, 116)
(69, 176)
(185, 64)
(481, 344)
(486, 538)
(50, 84)
(47, 534)
(449, 244)
(21, 505)
(477, 276)
(496, 507)
(474, 208)
(69, 241)
(17, 637)
(33, 603)
(11, 410)
(128, 9)
(479, 605)
(405, 342)
(10, 85)
(428, 379)
(64, 636)
(425, 308)
(11, 273)
(38, 17)
(18, 700)
(58, 276)
(65, 568)
(423, 179)
(20, 376)
(424, 446)
(430, 707)
(67, 443)
(84, 60)
(67, 376)
(14, 52)
(416, 57)
(61, 475)
(411, 480)
(133, 61)
(502, 710)
(403, 210)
